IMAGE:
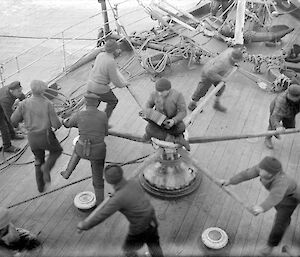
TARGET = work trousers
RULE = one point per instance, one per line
(4, 129)
(39, 142)
(202, 88)
(149, 237)
(110, 99)
(284, 211)
(97, 167)
(159, 132)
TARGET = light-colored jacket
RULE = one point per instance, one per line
(38, 114)
(104, 72)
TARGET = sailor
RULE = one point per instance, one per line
(170, 103)
(104, 72)
(283, 109)
(8, 96)
(39, 117)
(284, 196)
(213, 73)
(4, 128)
(130, 199)
(93, 127)
(14, 238)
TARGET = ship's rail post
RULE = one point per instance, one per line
(64, 51)
(105, 17)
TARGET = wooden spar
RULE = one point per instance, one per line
(175, 17)
(182, 12)
(126, 136)
(216, 182)
(239, 22)
(252, 76)
(188, 120)
(198, 140)
(191, 117)
(105, 17)
(135, 97)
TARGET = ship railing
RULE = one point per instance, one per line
(55, 62)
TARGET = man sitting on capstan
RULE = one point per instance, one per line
(171, 103)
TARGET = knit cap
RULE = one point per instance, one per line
(236, 54)
(162, 85)
(4, 217)
(113, 174)
(14, 85)
(271, 165)
(38, 87)
(293, 92)
(92, 99)
(111, 45)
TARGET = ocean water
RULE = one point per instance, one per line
(27, 23)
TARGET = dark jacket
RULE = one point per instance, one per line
(7, 101)
(282, 108)
(92, 125)
(129, 199)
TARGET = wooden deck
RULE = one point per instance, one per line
(54, 217)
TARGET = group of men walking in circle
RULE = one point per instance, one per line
(41, 121)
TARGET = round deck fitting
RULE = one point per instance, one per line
(170, 176)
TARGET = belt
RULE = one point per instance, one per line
(86, 147)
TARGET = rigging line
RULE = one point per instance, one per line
(48, 38)
(70, 184)
(17, 155)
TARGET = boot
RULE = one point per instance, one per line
(181, 140)
(192, 105)
(99, 193)
(218, 107)
(46, 174)
(39, 178)
(71, 165)
(268, 142)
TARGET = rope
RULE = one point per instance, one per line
(72, 183)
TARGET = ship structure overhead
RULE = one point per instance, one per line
(185, 177)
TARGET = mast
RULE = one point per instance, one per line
(240, 22)
(105, 17)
